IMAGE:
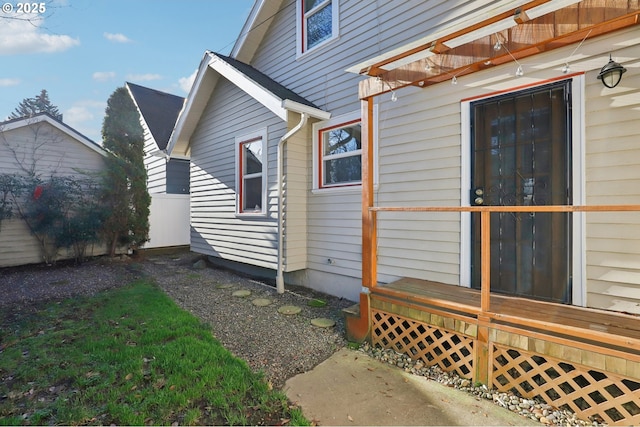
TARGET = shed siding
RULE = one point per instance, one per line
(49, 152)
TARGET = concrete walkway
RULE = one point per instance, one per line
(351, 388)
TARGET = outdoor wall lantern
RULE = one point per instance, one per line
(611, 74)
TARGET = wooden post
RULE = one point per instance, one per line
(482, 368)
(485, 256)
(369, 218)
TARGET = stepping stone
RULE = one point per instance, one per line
(261, 302)
(200, 265)
(289, 309)
(322, 322)
(241, 293)
(224, 286)
(316, 303)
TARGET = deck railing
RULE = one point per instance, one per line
(583, 359)
(485, 311)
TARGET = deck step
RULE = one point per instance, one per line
(352, 311)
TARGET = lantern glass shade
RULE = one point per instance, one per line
(611, 74)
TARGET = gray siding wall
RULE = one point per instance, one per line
(421, 161)
(366, 29)
(419, 165)
(420, 154)
(216, 228)
(49, 152)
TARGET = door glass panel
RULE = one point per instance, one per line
(521, 157)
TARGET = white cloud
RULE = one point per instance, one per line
(9, 82)
(185, 83)
(103, 76)
(26, 36)
(117, 38)
(144, 77)
(77, 115)
(86, 117)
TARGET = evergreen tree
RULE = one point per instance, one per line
(125, 189)
(29, 107)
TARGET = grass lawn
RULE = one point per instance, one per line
(129, 356)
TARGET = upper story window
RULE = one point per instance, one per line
(318, 24)
(251, 171)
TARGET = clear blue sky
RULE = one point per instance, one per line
(80, 51)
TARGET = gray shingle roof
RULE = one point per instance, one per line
(159, 109)
(266, 81)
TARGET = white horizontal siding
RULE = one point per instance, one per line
(154, 162)
(613, 177)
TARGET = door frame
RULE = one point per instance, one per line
(578, 182)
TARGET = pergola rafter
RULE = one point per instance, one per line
(436, 61)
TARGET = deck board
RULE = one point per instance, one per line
(468, 300)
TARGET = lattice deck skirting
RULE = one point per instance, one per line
(590, 393)
(432, 345)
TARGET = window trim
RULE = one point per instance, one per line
(260, 135)
(301, 33)
(318, 164)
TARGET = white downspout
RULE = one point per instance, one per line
(279, 274)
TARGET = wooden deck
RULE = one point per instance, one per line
(581, 359)
(614, 330)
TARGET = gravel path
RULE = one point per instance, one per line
(280, 345)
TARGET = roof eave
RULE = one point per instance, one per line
(62, 127)
(297, 107)
(254, 29)
(185, 127)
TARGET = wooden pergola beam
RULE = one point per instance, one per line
(529, 37)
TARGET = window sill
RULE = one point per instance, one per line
(316, 49)
(251, 214)
(351, 189)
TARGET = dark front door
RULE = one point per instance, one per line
(521, 156)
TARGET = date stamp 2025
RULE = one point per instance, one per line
(24, 8)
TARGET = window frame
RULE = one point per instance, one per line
(302, 47)
(240, 142)
(578, 109)
(318, 157)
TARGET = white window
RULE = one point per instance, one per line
(318, 23)
(251, 167)
(338, 152)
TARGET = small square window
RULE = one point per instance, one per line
(251, 167)
(337, 152)
(318, 23)
(341, 155)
